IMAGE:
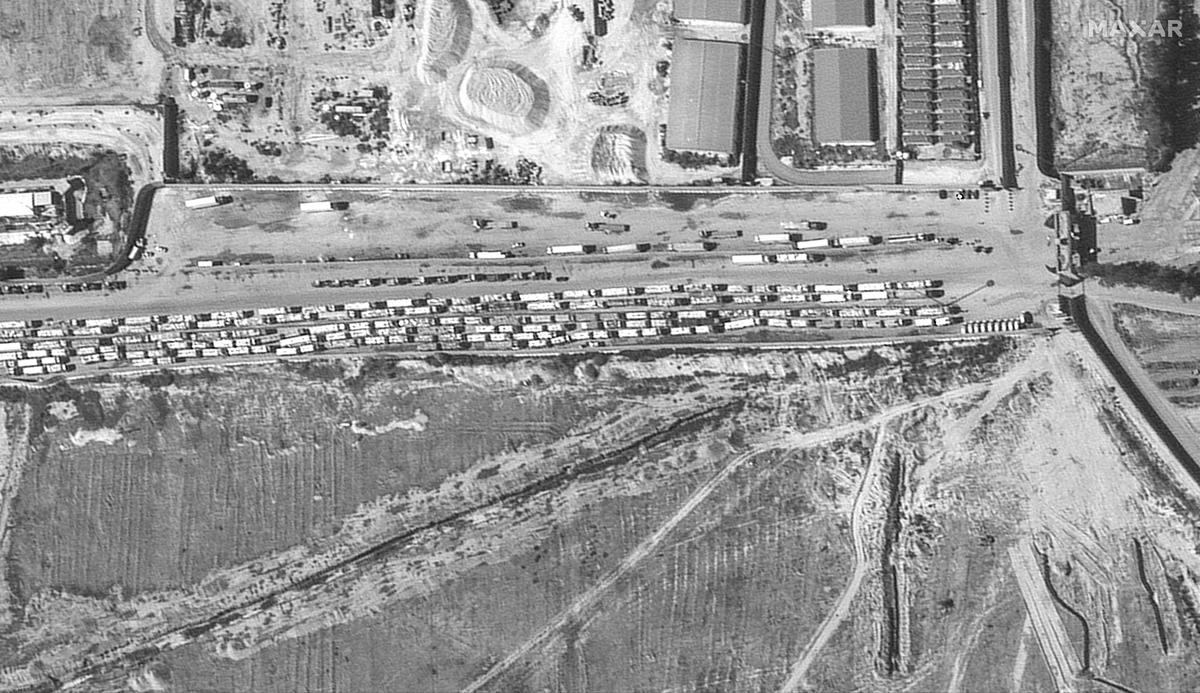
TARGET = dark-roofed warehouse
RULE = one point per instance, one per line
(845, 96)
(843, 13)
(703, 113)
(715, 10)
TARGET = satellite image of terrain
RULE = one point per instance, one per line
(613, 346)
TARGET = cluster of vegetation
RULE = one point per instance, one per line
(526, 173)
(267, 147)
(807, 155)
(230, 37)
(371, 131)
(693, 159)
(222, 166)
(1170, 64)
(1148, 275)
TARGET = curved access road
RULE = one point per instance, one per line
(764, 52)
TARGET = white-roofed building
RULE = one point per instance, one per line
(24, 205)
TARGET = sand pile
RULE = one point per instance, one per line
(507, 96)
(445, 38)
(619, 154)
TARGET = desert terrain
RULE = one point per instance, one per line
(743, 521)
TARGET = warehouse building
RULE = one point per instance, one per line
(712, 10)
(842, 13)
(703, 113)
(26, 205)
(845, 94)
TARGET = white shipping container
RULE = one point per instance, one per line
(855, 241)
(570, 249)
(206, 202)
(815, 243)
(322, 206)
(777, 237)
(832, 298)
(622, 248)
(874, 295)
(792, 257)
(748, 259)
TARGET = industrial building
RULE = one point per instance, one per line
(845, 96)
(703, 114)
(938, 95)
(712, 10)
(842, 13)
(29, 204)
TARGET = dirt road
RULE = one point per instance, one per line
(1060, 654)
(862, 567)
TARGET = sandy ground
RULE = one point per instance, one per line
(134, 132)
(984, 460)
(79, 51)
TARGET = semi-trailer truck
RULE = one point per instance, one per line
(207, 202)
(570, 250)
(324, 206)
(777, 238)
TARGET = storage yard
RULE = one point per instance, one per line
(474, 93)
(345, 273)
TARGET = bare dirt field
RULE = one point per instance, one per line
(76, 51)
(824, 520)
(1098, 87)
(1168, 346)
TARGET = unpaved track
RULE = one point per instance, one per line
(1061, 658)
(862, 566)
(577, 610)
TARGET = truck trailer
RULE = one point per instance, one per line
(777, 238)
(815, 243)
(210, 201)
(570, 250)
(627, 248)
(691, 247)
(858, 241)
(324, 206)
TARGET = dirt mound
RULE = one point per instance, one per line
(445, 37)
(619, 154)
(505, 95)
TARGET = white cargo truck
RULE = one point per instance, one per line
(207, 202)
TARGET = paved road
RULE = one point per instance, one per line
(767, 160)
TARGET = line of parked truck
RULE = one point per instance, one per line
(35, 348)
(798, 242)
